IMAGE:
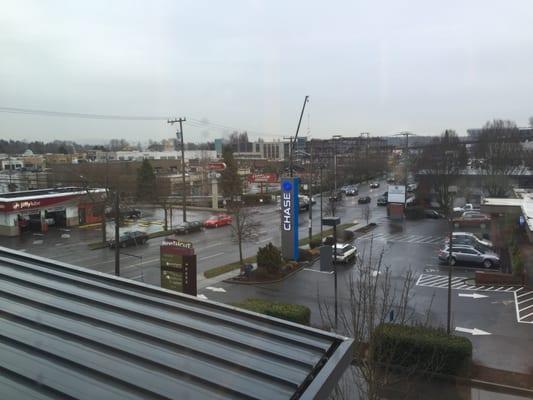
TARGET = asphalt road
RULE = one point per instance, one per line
(213, 247)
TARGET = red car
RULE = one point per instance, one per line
(215, 221)
(472, 218)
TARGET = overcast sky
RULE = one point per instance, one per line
(368, 66)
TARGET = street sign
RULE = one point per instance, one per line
(396, 194)
(263, 178)
(289, 218)
(178, 266)
(326, 257)
(216, 166)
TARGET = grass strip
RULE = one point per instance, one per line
(222, 269)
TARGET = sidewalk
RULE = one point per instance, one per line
(202, 282)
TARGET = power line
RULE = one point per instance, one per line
(198, 123)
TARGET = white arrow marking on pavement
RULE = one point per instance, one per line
(216, 289)
(473, 332)
(201, 296)
(473, 295)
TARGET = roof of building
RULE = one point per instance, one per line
(498, 202)
(69, 332)
(46, 193)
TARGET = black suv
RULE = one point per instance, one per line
(363, 200)
(127, 239)
(187, 227)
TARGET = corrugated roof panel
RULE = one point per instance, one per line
(68, 331)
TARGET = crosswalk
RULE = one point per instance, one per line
(524, 305)
(402, 237)
(441, 281)
(523, 297)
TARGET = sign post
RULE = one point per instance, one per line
(289, 218)
(178, 266)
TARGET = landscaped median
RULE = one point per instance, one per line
(222, 269)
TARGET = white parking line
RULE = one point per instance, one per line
(211, 245)
(268, 239)
(211, 256)
(526, 308)
(525, 301)
(524, 294)
(320, 272)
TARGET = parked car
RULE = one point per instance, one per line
(428, 213)
(346, 252)
(131, 213)
(364, 200)
(217, 220)
(374, 185)
(390, 180)
(469, 239)
(351, 191)
(188, 227)
(469, 255)
(382, 201)
(132, 238)
(472, 217)
(466, 207)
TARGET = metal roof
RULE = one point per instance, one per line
(69, 332)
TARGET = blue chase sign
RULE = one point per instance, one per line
(289, 218)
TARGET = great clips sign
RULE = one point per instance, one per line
(289, 218)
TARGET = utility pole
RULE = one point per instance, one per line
(311, 195)
(321, 203)
(296, 136)
(366, 152)
(335, 195)
(117, 233)
(179, 135)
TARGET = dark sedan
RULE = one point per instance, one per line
(188, 227)
(433, 214)
(364, 200)
(130, 239)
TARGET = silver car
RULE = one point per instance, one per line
(469, 255)
(469, 239)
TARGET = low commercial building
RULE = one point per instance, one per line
(37, 210)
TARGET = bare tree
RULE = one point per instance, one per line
(244, 227)
(372, 299)
(440, 163)
(501, 151)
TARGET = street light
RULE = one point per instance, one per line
(335, 137)
(334, 221)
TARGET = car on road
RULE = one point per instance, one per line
(433, 214)
(188, 227)
(351, 191)
(346, 253)
(130, 238)
(374, 185)
(130, 213)
(382, 201)
(364, 200)
(390, 180)
(469, 255)
(336, 196)
(472, 217)
(469, 239)
(217, 220)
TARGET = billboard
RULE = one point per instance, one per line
(178, 266)
(289, 218)
(396, 194)
(263, 178)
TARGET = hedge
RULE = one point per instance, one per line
(421, 348)
(290, 312)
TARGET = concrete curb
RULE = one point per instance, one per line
(268, 282)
